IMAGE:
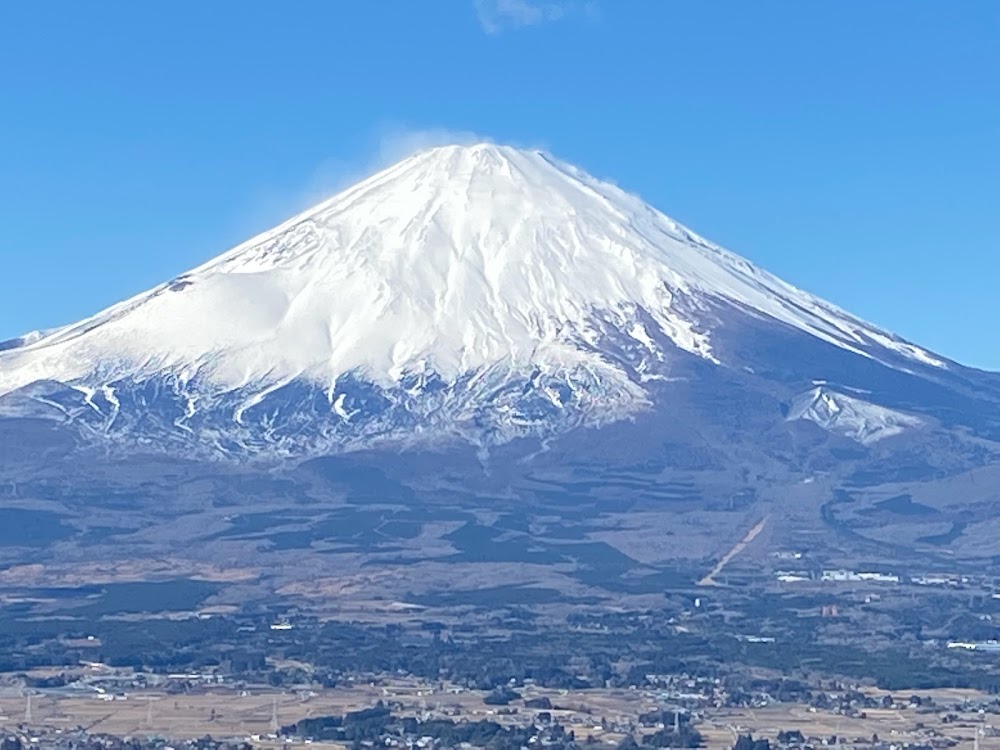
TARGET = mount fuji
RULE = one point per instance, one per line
(484, 365)
(481, 295)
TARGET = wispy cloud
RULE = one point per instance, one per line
(387, 144)
(496, 16)
(390, 143)
(399, 141)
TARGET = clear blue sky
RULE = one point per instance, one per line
(851, 147)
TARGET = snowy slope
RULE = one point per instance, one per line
(28, 338)
(860, 420)
(457, 270)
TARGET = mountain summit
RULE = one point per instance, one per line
(480, 291)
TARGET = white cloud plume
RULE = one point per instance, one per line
(387, 144)
(398, 142)
(391, 143)
(496, 16)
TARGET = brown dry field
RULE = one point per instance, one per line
(723, 725)
(237, 714)
(243, 715)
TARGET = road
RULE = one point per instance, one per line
(709, 580)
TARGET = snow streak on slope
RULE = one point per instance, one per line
(859, 420)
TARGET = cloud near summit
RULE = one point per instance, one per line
(497, 16)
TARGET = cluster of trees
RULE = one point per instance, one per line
(501, 696)
(686, 737)
(367, 724)
(245, 648)
(376, 723)
(747, 742)
(664, 717)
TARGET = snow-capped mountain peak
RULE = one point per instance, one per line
(456, 270)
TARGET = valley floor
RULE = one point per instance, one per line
(253, 713)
